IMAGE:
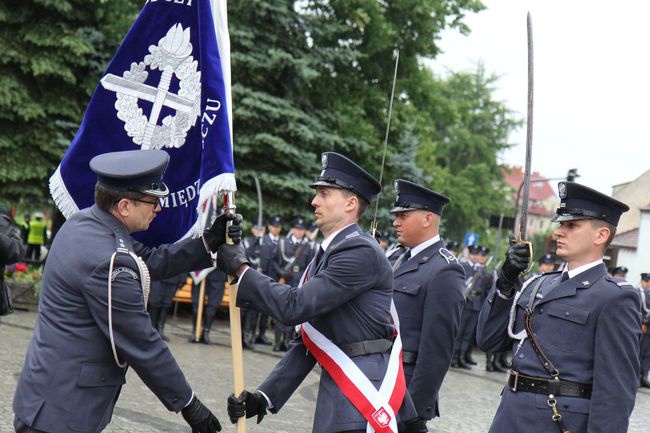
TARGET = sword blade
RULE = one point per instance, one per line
(258, 187)
(523, 219)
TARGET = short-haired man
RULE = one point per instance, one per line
(575, 333)
(429, 287)
(92, 321)
(343, 304)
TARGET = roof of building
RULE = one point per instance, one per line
(541, 190)
(628, 239)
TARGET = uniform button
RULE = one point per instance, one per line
(174, 400)
(566, 313)
(522, 356)
(103, 379)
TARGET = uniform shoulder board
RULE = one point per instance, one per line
(619, 282)
(444, 252)
(354, 234)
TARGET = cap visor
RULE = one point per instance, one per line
(560, 218)
(323, 183)
(157, 192)
(401, 209)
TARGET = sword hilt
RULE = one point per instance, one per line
(518, 240)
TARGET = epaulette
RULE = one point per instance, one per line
(619, 282)
(354, 234)
(447, 255)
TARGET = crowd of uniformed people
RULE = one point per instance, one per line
(384, 322)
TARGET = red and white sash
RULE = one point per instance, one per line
(378, 407)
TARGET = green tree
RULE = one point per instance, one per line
(471, 128)
(54, 52)
(279, 133)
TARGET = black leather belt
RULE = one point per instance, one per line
(409, 357)
(367, 347)
(521, 383)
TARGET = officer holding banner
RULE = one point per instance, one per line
(574, 333)
(92, 322)
(344, 306)
(428, 292)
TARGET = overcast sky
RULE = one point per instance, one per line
(592, 82)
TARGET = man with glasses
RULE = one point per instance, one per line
(92, 320)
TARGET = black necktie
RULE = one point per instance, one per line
(565, 276)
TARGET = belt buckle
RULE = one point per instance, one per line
(513, 388)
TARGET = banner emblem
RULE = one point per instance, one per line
(173, 57)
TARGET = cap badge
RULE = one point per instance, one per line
(396, 187)
(561, 188)
(323, 160)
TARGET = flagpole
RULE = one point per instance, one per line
(199, 314)
(235, 324)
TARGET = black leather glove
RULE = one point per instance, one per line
(230, 258)
(249, 404)
(200, 418)
(216, 234)
(414, 425)
(517, 261)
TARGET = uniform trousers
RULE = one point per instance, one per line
(468, 321)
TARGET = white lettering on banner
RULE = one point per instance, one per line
(209, 118)
(179, 2)
(182, 197)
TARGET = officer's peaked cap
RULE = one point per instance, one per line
(484, 251)
(341, 172)
(298, 223)
(473, 249)
(619, 270)
(132, 170)
(579, 202)
(548, 258)
(411, 196)
(645, 276)
(275, 221)
(452, 245)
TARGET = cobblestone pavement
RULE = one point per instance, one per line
(468, 398)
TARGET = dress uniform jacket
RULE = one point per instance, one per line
(429, 297)
(70, 381)
(347, 300)
(268, 257)
(589, 326)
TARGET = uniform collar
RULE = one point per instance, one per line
(326, 243)
(580, 269)
(419, 248)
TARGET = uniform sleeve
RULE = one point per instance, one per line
(172, 259)
(616, 364)
(137, 343)
(11, 245)
(288, 374)
(492, 329)
(441, 321)
(351, 269)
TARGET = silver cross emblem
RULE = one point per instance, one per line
(173, 57)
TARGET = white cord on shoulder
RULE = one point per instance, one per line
(110, 312)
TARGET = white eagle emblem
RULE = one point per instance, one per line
(173, 57)
(382, 417)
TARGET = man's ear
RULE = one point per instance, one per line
(122, 207)
(602, 234)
